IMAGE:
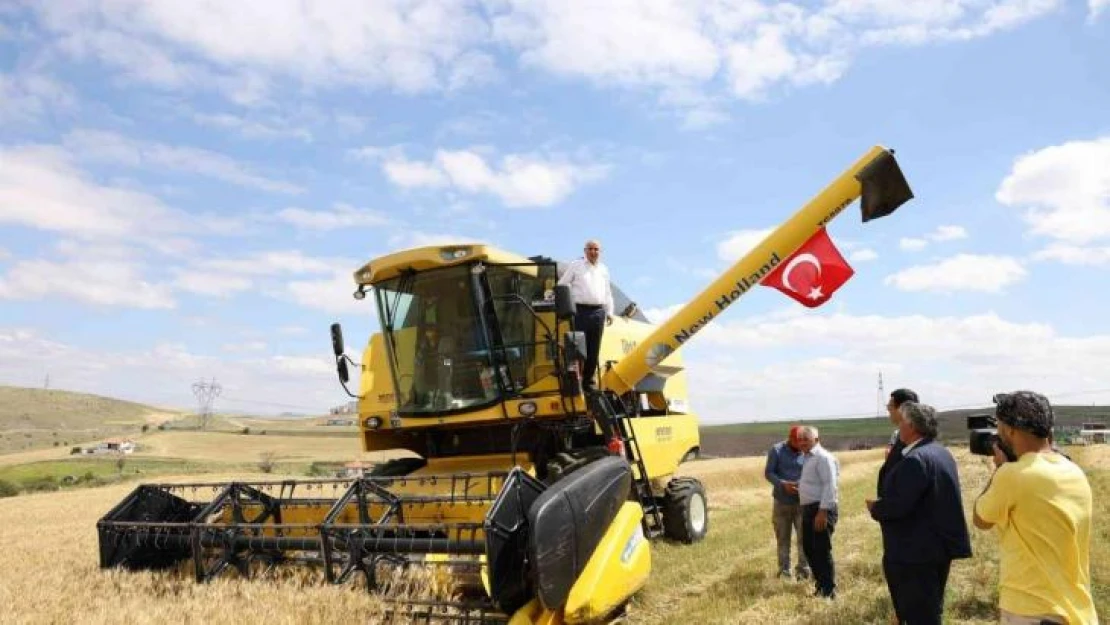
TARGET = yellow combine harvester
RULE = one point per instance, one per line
(536, 498)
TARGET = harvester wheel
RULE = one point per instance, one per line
(685, 510)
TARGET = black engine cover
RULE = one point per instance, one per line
(568, 520)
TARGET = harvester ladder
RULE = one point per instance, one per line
(653, 518)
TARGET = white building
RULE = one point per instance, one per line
(112, 446)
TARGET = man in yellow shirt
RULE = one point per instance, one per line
(1041, 504)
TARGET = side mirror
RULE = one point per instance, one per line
(344, 376)
(337, 339)
(564, 305)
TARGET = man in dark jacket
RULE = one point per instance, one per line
(894, 413)
(922, 518)
(783, 469)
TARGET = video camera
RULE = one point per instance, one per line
(984, 434)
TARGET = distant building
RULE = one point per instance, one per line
(350, 407)
(357, 468)
(340, 421)
(112, 446)
(1094, 433)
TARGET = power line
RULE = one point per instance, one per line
(880, 397)
(206, 393)
(236, 400)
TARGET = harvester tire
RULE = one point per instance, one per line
(685, 510)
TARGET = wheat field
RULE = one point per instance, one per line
(49, 571)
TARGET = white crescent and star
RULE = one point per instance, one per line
(815, 293)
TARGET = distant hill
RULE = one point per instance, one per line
(746, 439)
(32, 418)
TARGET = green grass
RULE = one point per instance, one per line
(51, 475)
(34, 408)
(730, 576)
(36, 475)
(953, 423)
(840, 427)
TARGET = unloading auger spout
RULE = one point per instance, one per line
(876, 178)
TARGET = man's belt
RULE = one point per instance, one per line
(588, 306)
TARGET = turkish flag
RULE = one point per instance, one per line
(813, 273)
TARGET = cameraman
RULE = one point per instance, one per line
(1041, 504)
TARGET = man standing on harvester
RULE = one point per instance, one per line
(588, 279)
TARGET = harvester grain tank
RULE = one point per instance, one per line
(536, 498)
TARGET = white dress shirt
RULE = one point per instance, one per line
(820, 474)
(589, 284)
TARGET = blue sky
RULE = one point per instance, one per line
(185, 188)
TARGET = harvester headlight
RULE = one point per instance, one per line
(453, 254)
(373, 423)
(527, 408)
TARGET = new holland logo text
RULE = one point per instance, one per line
(725, 299)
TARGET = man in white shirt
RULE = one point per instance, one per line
(818, 495)
(588, 280)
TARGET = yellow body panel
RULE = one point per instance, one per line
(533, 613)
(664, 441)
(435, 256)
(619, 567)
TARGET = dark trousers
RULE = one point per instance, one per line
(917, 590)
(590, 320)
(818, 548)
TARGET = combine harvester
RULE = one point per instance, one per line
(535, 499)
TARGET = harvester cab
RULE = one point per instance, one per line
(536, 499)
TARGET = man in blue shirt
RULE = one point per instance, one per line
(783, 470)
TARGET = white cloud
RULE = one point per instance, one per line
(410, 46)
(1063, 190)
(210, 283)
(912, 244)
(221, 277)
(1075, 254)
(253, 128)
(672, 48)
(949, 233)
(519, 180)
(163, 374)
(269, 263)
(248, 346)
(740, 242)
(97, 145)
(753, 367)
(28, 97)
(963, 272)
(333, 294)
(100, 282)
(4, 254)
(341, 216)
(40, 187)
(406, 173)
(863, 255)
(748, 47)
(1096, 7)
(942, 233)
